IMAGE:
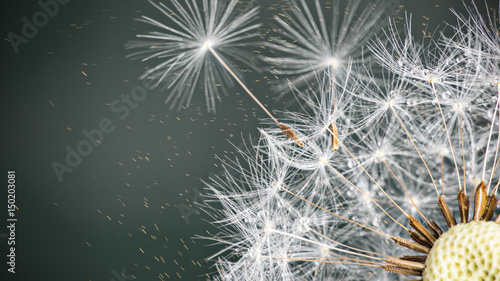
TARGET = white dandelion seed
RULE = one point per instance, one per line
(310, 42)
(188, 50)
(181, 45)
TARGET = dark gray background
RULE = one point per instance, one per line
(57, 220)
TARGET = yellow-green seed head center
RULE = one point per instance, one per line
(466, 252)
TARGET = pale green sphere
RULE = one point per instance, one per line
(468, 251)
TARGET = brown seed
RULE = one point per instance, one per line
(415, 236)
(463, 205)
(492, 205)
(420, 259)
(448, 217)
(411, 265)
(436, 230)
(335, 136)
(480, 201)
(422, 230)
(395, 269)
(411, 245)
(290, 134)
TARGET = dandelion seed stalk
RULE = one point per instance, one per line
(223, 63)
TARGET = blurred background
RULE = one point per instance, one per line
(128, 209)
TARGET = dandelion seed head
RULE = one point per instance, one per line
(325, 251)
(459, 107)
(478, 256)
(379, 154)
(323, 161)
(303, 224)
(278, 186)
(389, 104)
(415, 136)
(334, 63)
(268, 227)
(443, 151)
(208, 43)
